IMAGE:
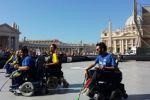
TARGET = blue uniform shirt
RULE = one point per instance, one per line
(106, 60)
(28, 61)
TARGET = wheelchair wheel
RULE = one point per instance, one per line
(100, 97)
(52, 82)
(27, 89)
(116, 95)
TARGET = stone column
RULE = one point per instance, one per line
(131, 42)
(114, 46)
(16, 42)
(9, 42)
(120, 45)
(126, 45)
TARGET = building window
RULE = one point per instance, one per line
(129, 48)
(133, 42)
(118, 50)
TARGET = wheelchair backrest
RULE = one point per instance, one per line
(39, 62)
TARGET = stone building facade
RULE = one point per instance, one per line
(135, 34)
(66, 48)
(124, 39)
(9, 36)
(9, 39)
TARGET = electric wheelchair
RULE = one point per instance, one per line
(109, 86)
(31, 84)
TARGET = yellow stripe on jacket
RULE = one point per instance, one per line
(55, 58)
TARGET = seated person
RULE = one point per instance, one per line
(27, 68)
(104, 60)
(13, 60)
(53, 65)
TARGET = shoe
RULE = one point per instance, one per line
(12, 90)
(18, 91)
(7, 75)
(15, 86)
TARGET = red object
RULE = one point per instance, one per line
(87, 83)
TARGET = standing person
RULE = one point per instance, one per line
(104, 60)
(54, 65)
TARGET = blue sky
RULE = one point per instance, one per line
(67, 20)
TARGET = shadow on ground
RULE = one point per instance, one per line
(139, 97)
(136, 97)
(2, 72)
(73, 88)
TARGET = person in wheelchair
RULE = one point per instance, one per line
(106, 67)
(26, 69)
(53, 66)
(12, 61)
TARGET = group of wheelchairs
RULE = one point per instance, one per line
(108, 86)
(41, 84)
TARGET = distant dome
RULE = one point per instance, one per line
(130, 21)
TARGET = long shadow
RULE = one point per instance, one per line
(136, 97)
(75, 85)
(139, 97)
(73, 88)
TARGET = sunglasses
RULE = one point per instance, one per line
(97, 49)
